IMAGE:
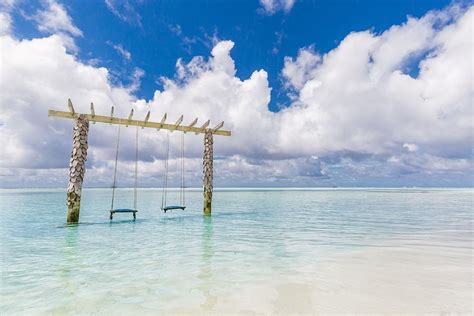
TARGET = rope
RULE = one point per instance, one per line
(183, 202)
(165, 175)
(115, 170)
(136, 171)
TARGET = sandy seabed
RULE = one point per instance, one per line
(377, 280)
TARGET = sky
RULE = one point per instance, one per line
(316, 93)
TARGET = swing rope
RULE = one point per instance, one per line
(135, 190)
(182, 192)
(165, 175)
(114, 184)
(183, 201)
(115, 169)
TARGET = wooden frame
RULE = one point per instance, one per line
(93, 117)
(79, 152)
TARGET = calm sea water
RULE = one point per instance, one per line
(162, 262)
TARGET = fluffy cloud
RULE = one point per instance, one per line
(354, 105)
(54, 19)
(272, 6)
(358, 97)
(5, 23)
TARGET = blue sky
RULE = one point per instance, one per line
(354, 87)
(157, 33)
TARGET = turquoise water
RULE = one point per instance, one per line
(182, 260)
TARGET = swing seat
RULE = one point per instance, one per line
(123, 210)
(173, 207)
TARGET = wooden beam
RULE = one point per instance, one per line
(205, 125)
(129, 117)
(218, 126)
(178, 122)
(193, 123)
(111, 114)
(123, 121)
(69, 105)
(92, 111)
(162, 121)
(146, 119)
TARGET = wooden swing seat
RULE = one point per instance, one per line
(173, 207)
(123, 210)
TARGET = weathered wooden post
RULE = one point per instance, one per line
(77, 167)
(207, 169)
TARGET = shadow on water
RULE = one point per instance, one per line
(205, 275)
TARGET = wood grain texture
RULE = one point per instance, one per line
(77, 168)
(208, 158)
(147, 124)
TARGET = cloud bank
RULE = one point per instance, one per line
(378, 106)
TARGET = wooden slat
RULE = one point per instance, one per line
(205, 125)
(193, 123)
(129, 117)
(218, 126)
(146, 119)
(123, 121)
(178, 122)
(92, 111)
(69, 105)
(111, 114)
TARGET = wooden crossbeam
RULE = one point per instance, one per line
(205, 125)
(162, 121)
(218, 126)
(111, 114)
(193, 123)
(178, 122)
(124, 121)
(92, 111)
(146, 119)
(69, 105)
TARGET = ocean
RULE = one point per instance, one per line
(263, 251)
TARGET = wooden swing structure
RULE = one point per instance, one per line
(80, 144)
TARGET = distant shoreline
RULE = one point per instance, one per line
(377, 189)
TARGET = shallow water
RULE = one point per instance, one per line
(184, 262)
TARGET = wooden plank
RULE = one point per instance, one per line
(178, 122)
(146, 119)
(92, 111)
(69, 105)
(193, 123)
(111, 114)
(123, 121)
(129, 117)
(205, 125)
(218, 126)
(163, 120)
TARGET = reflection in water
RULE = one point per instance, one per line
(70, 262)
(205, 274)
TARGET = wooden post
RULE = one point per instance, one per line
(77, 167)
(207, 169)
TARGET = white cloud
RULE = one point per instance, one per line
(359, 99)
(298, 71)
(125, 11)
(5, 23)
(54, 19)
(351, 103)
(272, 6)
(122, 51)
